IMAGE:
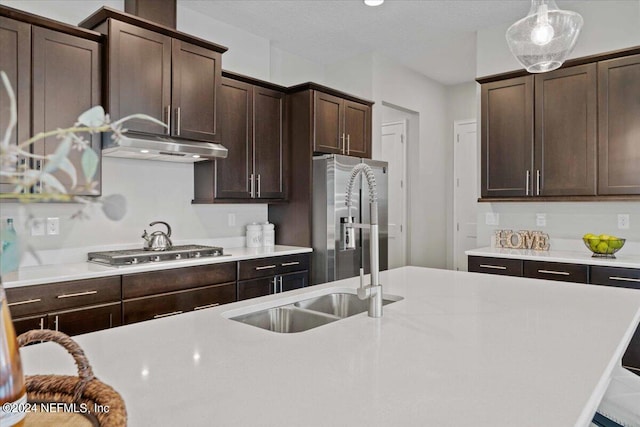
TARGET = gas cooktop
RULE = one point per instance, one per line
(139, 256)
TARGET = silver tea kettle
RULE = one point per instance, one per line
(158, 240)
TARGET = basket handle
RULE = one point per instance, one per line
(84, 369)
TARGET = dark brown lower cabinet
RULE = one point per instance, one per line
(291, 281)
(577, 273)
(255, 288)
(172, 303)
(75, 321)
(272, 275)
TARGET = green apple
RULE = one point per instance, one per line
(602, 248)
(615, 243)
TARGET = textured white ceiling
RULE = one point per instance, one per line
(434, 37)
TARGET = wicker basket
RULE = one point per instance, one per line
(85, 391)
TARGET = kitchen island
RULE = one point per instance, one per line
(460, 349)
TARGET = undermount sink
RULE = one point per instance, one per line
(338, 304)
(309, 313)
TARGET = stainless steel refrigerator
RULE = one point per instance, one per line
(330, 177)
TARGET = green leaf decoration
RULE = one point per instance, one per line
(114, 206)
(67, 167)
(93, 117)
(89, 163)
(53, 183)
(58, 156)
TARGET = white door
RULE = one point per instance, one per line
(465, 191)
(394, 152)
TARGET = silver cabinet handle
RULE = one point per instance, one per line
(258, 179)
(42, 323)
(202, 307)
(285, 264)
(275, 281)
(55, 322)
(343, 145)
(557, 273)
(537, 182)
(265, 267)
(173, 313)
(618, 278)
(168, 121)
(77, 294)
(178, 121)
(39, 183)
(29, 301)
(348, 144)
(22, 165)
(495, 267)
(281, 284)
(252, 186)
(527, 183)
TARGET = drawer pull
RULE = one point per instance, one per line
(618, 278)
(557, 273)
(29, 301)
(202, 307)
(286, 264)
(173, 313)
(495, 267)
(77, 294)
(266, 267)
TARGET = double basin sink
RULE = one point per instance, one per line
(309, 313)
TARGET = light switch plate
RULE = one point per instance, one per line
(623, 221)
(541, 220)
(492, 218)
(231, 220)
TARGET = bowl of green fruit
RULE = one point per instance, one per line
(603, 245)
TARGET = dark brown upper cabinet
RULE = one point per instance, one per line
(54, 70)
(341, 126)
(66, 72)
(15, 61)
(569, 134)
(155, 70)
(619, 125)
(252, 126)
(507, 137)
(565, 132)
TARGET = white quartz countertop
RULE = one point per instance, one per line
(87, 270)
(572, 257)
(461, 349)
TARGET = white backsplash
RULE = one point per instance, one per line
(154, 191)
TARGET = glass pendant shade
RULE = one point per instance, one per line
(542, 40)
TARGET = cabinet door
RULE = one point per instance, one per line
(88, 319)
(565, 129)
(196, 79)
(233, 174)
(357, 128)
(256, 287)
(292, 281)
(618, 125)
(66, 83)
(269, 143)
(328, 124)
(139, 78)
(15, 61)
(24, 324)
(507, 137)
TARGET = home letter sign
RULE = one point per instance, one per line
(523, 239)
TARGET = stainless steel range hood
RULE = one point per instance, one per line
(149, 147)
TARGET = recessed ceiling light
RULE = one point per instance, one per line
(196, 156)
(144, 151)
(373, 2)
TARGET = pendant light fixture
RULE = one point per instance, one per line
(542, 40)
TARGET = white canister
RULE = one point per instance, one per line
(268, 234)
(254, 235)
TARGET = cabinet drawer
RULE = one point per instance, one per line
(87, 319)
(256, 288)
(556, 271)
(501, 266)
(615, 276)
(27, 300)
(631, 358)
(164, 305)
(265, 267)
(157, 282)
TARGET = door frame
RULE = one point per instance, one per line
(454, 221)
(405, 184)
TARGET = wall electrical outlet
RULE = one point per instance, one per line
(53, 226)
(541, 220)
(492, 218)
(623, 221)
(37, 227)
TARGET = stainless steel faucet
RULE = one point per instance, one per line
(374, 291)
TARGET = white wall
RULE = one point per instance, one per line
(67, 11)
(609, 25)
(288, 69)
